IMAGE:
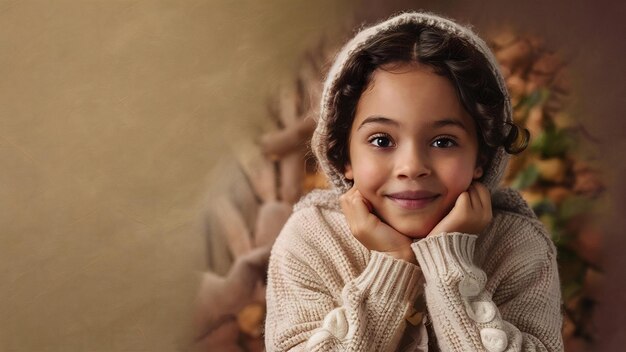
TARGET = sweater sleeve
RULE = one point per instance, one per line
(463, 314)
(303, 314)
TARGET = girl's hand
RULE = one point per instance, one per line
(368, 229)
(471, 212)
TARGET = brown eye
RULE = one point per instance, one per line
(381, 141)
(444, 143)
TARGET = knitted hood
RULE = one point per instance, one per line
(493, 171)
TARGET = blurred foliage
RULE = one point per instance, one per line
(561, 184)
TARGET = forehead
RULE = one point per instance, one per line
(411, 86)
(410, 93)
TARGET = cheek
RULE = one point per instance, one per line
(367, 175)
(457, 176)
(368, 179)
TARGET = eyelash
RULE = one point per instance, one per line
(450, 141)
(379, 136)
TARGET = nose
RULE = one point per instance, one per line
(412, 163)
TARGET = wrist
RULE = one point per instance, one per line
(449, 255)
(389, 279)
(406, 255)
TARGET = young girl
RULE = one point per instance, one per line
(415, 248)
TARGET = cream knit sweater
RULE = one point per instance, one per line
(498, 291)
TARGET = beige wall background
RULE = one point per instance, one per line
(112, 115)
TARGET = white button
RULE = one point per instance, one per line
(317, 338)
(335, 326)
(481, 312)
(469, 287)
(494, 340)
(336, 322)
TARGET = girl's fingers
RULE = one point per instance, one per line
(369, 206)
(481, 196)
(485, 197)
(346, 201)
(362, 204)
(367, 227)
(359, 208)
(463, 201)
(356, 209)
(474, 197)
(484, 194)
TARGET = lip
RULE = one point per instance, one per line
(413, 199)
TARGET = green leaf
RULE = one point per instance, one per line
(545, 208)
(526, 178)
(572, 206)
(552, 143)
(536, 97)
(571, 267)
(558, 237)
(570, 289)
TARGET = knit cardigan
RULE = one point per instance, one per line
(498, 291)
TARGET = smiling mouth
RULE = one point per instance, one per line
(413, 200)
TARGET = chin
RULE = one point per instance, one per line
(411, 226)
(413, 231)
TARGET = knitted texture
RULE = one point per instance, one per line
(326, 292)
(319, 142)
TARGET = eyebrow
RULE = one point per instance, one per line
(378, 119)
(450, 122)
(437, 124)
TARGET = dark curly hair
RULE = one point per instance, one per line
(449, 56)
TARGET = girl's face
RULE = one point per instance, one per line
(413, 148)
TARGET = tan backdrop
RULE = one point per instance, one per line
(112, 115)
